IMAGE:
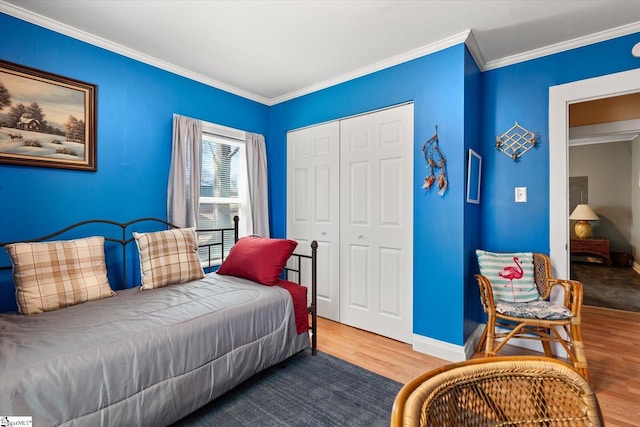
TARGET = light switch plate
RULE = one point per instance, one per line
(521, 194)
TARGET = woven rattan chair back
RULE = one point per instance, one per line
(541, 272)
(498, 391)
(567, 332)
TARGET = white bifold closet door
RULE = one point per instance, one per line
(313, 206)
(350, 188)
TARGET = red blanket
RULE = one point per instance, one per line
(299, 296)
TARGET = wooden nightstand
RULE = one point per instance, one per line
(598, 247)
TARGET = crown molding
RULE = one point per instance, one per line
(474, 49)
(59, 27)
(624, 30)
(624, 130)
(466, 37)
(626, 137)
(48, 23)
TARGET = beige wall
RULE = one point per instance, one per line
(609, 171)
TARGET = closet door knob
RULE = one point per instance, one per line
(360, 236)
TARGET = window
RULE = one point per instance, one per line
(223, 188)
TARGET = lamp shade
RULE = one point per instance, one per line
(583, 213)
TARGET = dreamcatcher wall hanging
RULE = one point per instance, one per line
(436, 163)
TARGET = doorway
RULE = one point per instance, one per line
(604, 146)
(560, 97)
(601, 174)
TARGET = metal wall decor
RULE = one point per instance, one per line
(516, 141)
(435, 162)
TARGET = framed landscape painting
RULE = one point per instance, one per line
(46, 120)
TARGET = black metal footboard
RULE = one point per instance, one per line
(299, 270)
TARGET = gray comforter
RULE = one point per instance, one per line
(143, 358)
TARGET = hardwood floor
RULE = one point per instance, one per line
(612, 345)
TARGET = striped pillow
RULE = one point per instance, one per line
(53, 275)
(168, 257)
(511, 275)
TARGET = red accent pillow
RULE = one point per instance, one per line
(257, 258)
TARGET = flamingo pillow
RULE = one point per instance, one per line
(511, 275)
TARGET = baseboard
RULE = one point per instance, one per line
(445, 350)
(458, 353)
(474, 338)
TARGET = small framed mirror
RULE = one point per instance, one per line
(474, 174)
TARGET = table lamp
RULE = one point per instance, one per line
(583, 214)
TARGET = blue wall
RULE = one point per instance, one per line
(134, 123)
(521, 93)
(470, 108)
(472, 218)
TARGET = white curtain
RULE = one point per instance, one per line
(183, 192)
(257, 180)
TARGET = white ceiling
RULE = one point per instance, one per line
(270, 51)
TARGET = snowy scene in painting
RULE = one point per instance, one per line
(30, 143)
(39, 119)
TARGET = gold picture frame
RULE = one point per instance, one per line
(46, 120)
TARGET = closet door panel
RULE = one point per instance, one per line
(300, 201)
(359, 201)
(323, 193)
(390, 271)
(313, 206)
(390, 197)
(376, 161)
(358, 295)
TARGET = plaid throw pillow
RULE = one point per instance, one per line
(53, 275)
(168, 257)
(511, 275)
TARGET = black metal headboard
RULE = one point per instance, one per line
(214, 242)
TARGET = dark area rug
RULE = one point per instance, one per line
(309, 391)
(610, 287)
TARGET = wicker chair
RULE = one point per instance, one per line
(565, 331)
(498, 391)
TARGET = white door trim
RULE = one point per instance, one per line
(364, 113)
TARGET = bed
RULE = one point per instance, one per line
(149, 355)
